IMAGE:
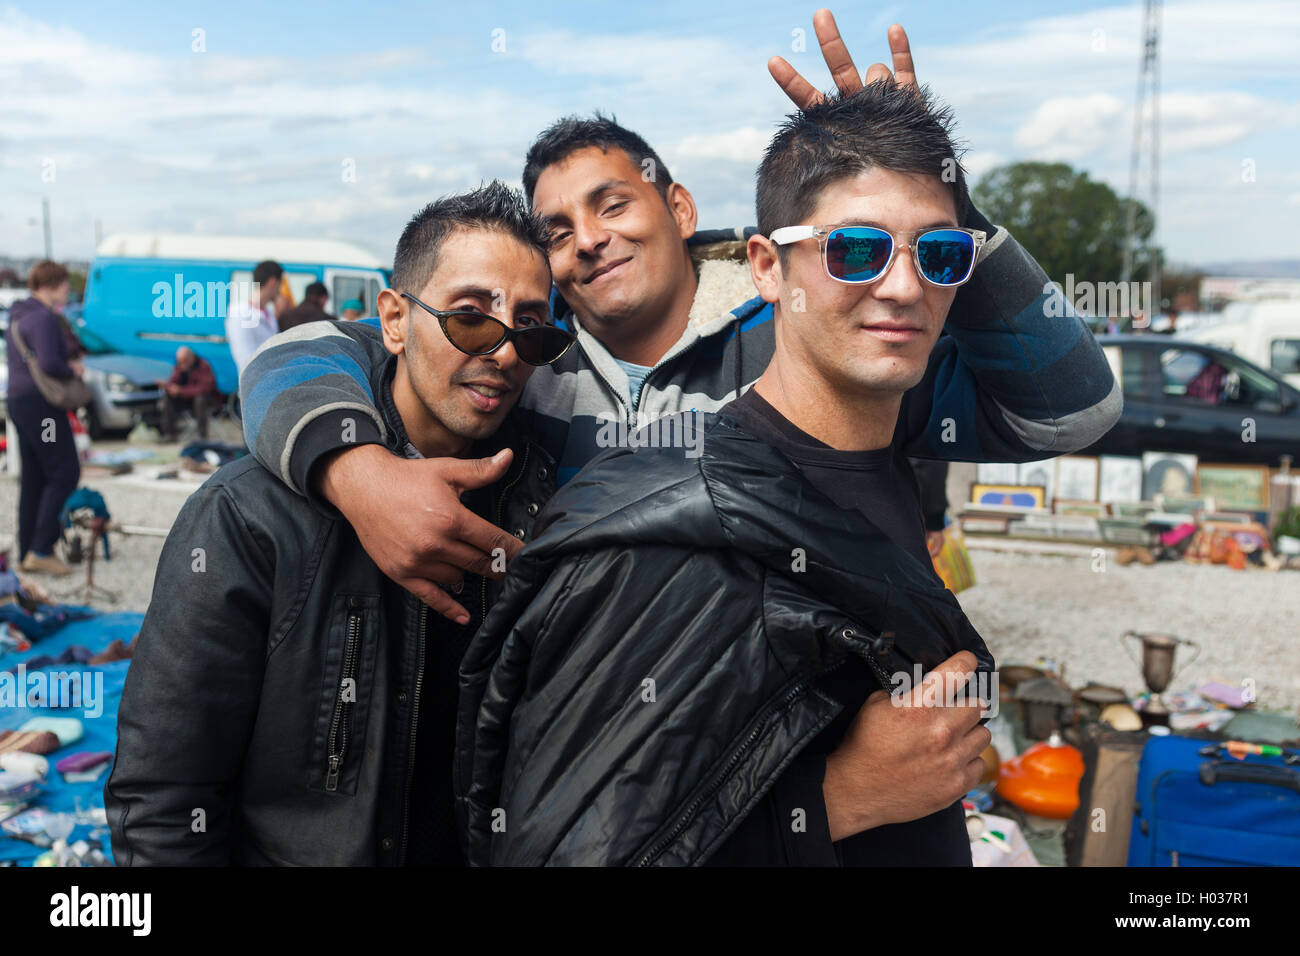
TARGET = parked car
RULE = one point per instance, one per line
(4, 377)
(123, 388)
(1188, 397)
(1268, 334)
(123, 391)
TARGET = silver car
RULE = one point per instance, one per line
(124, 390)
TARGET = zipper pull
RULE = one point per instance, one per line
(332, 778)
(880, 644)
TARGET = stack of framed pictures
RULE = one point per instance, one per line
(1117, 496)
(1234, 487)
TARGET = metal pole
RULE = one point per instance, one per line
(45, 211)
(1155, 150)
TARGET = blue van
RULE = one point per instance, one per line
(149, 294)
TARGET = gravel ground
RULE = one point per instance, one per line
(1247, 622)
(1025, 606)
(131, 499)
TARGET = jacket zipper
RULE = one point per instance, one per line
(851, 634)
(415, 720)
(760, 727)
(339, 728)
(500, 516)
(627, 411)
(640, 398)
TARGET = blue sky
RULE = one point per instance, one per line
(115, 115)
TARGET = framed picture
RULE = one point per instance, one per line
(1169, 474)
(1042, 473)
(994, 473)
(1020, 496)
(1123, 531)
(1234, 486)
(980, 524)
(1136, 510)
(1227, 518)
(1120, 479)
(1091, 509)
(1076, 478)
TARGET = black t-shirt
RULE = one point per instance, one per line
(881, 485)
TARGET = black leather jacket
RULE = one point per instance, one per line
(269, 712)
(650, 668)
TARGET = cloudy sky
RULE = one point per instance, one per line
(241, 117)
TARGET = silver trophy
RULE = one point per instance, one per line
(1158, 669)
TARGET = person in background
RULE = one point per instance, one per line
(311, 310)
(192, 385)
(352, 310)
(249, 324)
(51, 469)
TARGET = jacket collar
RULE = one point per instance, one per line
(742, 495)
(718, 284)
(510, 435)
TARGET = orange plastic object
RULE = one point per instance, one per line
(1043, 780)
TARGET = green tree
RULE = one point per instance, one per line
(1071, 224)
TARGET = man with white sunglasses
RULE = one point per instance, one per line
(696, 660)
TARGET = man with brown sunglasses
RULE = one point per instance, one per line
(288, 703)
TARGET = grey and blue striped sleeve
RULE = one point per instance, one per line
(1018, 377)
(306, 393)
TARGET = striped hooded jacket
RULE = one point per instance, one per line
(1016, 376)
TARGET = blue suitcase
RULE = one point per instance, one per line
(1196, 805)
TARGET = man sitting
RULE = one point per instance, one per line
(192, 386)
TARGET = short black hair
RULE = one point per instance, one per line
(267, 270)
(316, 290)
(492, 206)
(883, 125)
(566, 136)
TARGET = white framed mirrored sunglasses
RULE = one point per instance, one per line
(858, 255)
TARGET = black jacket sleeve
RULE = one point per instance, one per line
(932, 479)
(192, 692)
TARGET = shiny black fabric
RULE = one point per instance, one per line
(224, 728)
(650, 668)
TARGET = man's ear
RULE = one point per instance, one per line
(764, 267)
(392, 319)
(682, 205)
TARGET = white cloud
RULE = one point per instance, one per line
(744, 145)
(224, 142)
(1069, 127)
